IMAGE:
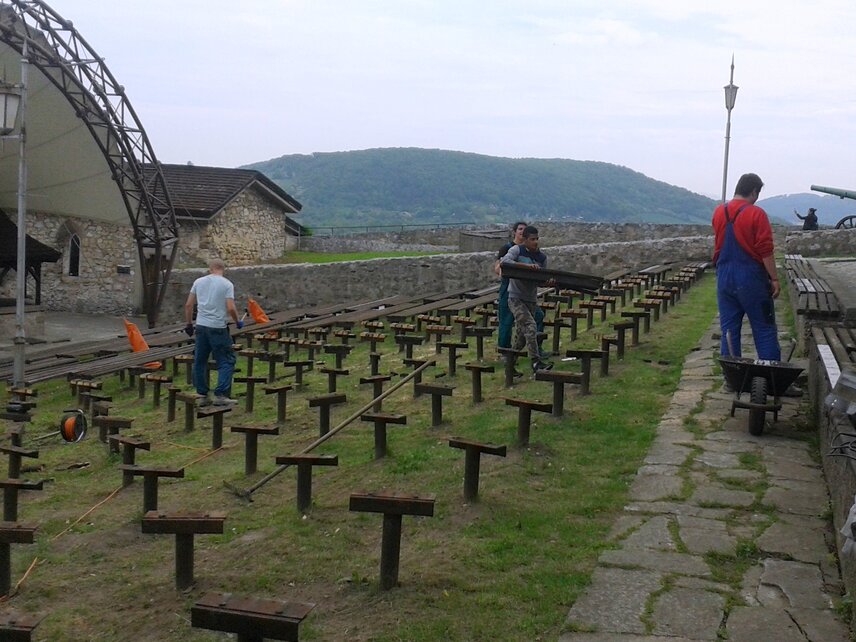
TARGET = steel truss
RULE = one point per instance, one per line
(67, 60)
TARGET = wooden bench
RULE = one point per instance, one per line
(332, 376)
(574, 316)
(189, 400)
(11, 488)
(110, 425)
(252, 619)
(406, 342)
(452, 348)
(251, 444)
(129, 447)
(638, 316)
(437, 392)
(184, 526)
(16, 453)
(376, 382)
(18, 627)
(476, 370)
(250, 396)
(652, 306)
(559, 379)
(150, 475)
(304, 464)
(157, 381)
(511, 356)
(324, 403)
(251, 354)
(585, 357)
(590, 307)
(281, 391)
(621, 328)
(372, 338)
(187, 361)
(417, 379)
(393, 507)
(216, 413)
(473, 451)
(339, 351)
(813, 298)
(480, 333)
(524, 416)
(380, 421)
(299, 365)
(11, 532)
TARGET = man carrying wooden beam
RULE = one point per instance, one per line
(523, 296)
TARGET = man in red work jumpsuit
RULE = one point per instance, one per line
(746, 277)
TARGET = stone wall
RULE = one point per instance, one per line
(486, 238)
(98, 287)
(278, 287)
(250, 229)
(822, 243)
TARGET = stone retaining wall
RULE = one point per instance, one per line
(822, 243)
(278, 287)
(485, 238)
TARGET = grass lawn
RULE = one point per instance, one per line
(505, 568)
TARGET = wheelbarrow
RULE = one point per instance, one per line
(760, 379)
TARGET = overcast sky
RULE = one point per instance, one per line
(637, 83)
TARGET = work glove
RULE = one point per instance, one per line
(239, 324)
(189, 329)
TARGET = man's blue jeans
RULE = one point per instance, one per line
(215, 342)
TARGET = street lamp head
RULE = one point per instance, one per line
(730, 95)
(10, 99)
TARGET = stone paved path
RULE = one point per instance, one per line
(724, 536)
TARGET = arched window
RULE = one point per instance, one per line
(74, 255)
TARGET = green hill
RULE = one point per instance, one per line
(410, 186)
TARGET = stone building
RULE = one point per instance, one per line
(239, 215)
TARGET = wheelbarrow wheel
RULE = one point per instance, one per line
(758, 395)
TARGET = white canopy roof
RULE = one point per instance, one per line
(67, 172)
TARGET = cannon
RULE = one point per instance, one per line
(847, 221)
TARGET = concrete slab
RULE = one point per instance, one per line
(657, 561)
(757, 624)
(820, 625)
(702, 536)
(650, 486)
(718, 496)
(798, 537)
(615, 601)
(718, 460)
(653, 534)
(799, 498)
(692, 613)
(792, 584)
(678, 508)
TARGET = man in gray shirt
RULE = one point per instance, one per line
(214, 296)
(523, 296)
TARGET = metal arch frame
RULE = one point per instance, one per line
(67, 60)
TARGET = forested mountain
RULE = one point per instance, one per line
(409, 186)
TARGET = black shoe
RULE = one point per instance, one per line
(793, 391)
(541, 366)
(516, 373)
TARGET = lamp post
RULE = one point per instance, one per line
(13, 100)
(730, 98)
